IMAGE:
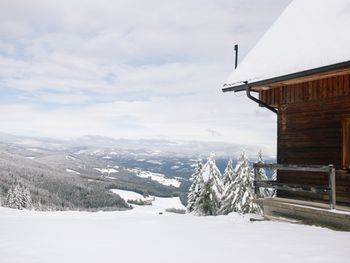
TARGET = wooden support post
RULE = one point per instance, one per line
(256, 188)
(331, 183)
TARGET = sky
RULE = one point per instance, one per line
(131, 69)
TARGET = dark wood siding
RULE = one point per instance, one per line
(307, 91)
(310, 132)
(346, 143)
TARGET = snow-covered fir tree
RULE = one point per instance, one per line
(209, 200)
(26, 198)
(229, 189)
(13, 198)
(243, 196)
(261, 176)
(229, 174)
(18, 197)
(197, 182)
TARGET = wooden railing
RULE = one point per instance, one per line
(329, 169)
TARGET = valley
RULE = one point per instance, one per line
(77, 174)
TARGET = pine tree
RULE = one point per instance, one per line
(10, 200)
(229, 189)
(229, 174)
(38, 206)
(209, 199)
(261, 176)
(243, 197)
(26, 198)
(18, 197)
(14, 197)
(197, 182)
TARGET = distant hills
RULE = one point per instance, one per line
(78, 173)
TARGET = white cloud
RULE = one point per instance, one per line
(130, 68)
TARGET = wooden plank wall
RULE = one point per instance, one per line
(346, 143)
(307, 91)
(310, 132)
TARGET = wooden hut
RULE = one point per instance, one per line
(300, 70)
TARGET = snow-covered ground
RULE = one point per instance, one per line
(144, 235)
(72, 171)
(129, 195)
(110, 177)
(159, 204)
(160, 178)
(70, 157)
(34, 150)
(106, 170)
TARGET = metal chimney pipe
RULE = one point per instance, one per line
(236, 55)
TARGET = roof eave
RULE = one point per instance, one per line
(301, 74)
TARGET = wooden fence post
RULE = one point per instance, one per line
(331, 184)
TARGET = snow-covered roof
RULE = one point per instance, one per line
(309, 34)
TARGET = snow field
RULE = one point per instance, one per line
(159, 204)
(72, 171)
(160, 178)
(136, 236)
(128, 195)
(106, 170)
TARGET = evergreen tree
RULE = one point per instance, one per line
(229, 190)
(229, 174)
(261, 176)
(14, 197)
(243, 197)
(197, 182)
(26, 198)
(209, 200)
(18, 197)
(10, 199)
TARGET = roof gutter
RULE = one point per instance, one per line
(305, 73)
(261, 103)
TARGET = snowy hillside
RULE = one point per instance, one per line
(69, 178)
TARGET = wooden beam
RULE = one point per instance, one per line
(303, 79)
(292, 187)
(292, 167)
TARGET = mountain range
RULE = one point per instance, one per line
(78, 173)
